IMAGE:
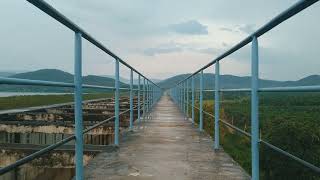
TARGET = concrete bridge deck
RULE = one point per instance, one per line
(165, 147)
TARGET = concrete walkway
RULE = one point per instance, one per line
(166, 147)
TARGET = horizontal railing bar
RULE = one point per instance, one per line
(97, 87)
(301, 161)
(271, 89)
(291, 11)
(236, 90)
(291, 89)
(226, 90)
(32, 156)
(207, 113)
(35, 108)
(235, 128)
(55, 14)
(228, 124)
(29, 82)
(17, 81)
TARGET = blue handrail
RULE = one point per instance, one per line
(151, 92)
(177, 91)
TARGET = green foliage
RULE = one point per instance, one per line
(40, 100)
(290, 121)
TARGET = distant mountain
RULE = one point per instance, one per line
(135, 81)
(230, 81)
(6, 74)
(46, 75)
(57, 76)
(227, 81)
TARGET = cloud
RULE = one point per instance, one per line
(247, 28)
(161, 50)
(244, 28)
(174, 47)
(211, 51)
(191, 27)
(228, 29)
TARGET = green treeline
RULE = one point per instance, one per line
(14, 102)
(290, 121)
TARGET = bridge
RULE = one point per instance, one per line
(162, 138)
(165, 146)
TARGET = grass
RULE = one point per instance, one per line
(287, 120)
(14, 102)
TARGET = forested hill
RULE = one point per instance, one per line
(227, 81)
(230, 81)
(57, 76)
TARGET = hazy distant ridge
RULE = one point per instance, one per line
(230, 81)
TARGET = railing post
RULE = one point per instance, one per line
(192, 86)
(78, 106)
(187, 99)
(131, 99)
(139, 88)
(216, 106)
(150, 96)
(201, 102)
(178, 95)
(181, 95)
(144, 98)
(116, 104)
(147, 98)
(255, 108)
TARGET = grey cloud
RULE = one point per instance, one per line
(161, 50)
(247, 28)
(228, 29)
(173, 47)
(244, 28)
(207, 50)
(191, 27)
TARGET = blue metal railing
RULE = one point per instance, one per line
(151, 92)
(177, 91)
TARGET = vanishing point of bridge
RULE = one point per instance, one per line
(162, 141)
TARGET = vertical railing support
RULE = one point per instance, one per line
(147, 99)
(181, 95)
(139, 88)
(184, 99)
(187, 91)
(131, 99)
(216, 105)
(116, 104)
(192, 86)
(78, 106)
(255, 108)
(201, 102)
(144, 98)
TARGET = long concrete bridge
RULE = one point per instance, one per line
(152, 135)
(165, 146)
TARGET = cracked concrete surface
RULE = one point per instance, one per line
(165, 147)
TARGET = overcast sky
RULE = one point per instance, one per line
(161, 38)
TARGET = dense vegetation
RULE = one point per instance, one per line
(290, 121)
(39, 100)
